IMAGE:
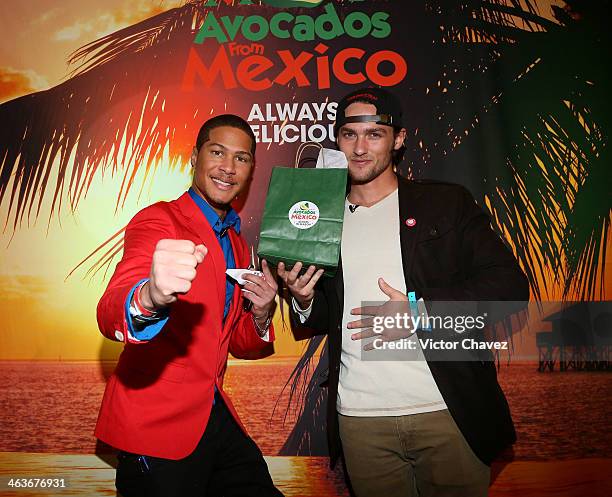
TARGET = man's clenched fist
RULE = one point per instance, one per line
(172, 271)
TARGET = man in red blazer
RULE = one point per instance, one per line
(178, 315)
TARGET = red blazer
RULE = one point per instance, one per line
(158, 400)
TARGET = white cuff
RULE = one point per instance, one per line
(303, 314)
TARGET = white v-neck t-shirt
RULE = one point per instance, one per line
(370, 250)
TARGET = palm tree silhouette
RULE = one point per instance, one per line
(497, 81)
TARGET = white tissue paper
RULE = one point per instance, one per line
(331, 159)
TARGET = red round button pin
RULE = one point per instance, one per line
(411, 222)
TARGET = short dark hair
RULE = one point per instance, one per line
(230, 120)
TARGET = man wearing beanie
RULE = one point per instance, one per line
(406, 427)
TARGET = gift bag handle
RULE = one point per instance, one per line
(300, 151)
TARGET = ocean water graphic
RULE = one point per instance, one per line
(52, 407)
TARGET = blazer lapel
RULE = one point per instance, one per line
(239, 256)
(339, 283)
(197, 224)
(411, 221)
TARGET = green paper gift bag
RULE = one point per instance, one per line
(302, 219)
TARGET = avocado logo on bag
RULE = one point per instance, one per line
(304, 214)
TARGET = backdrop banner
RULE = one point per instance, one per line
(100, 106)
